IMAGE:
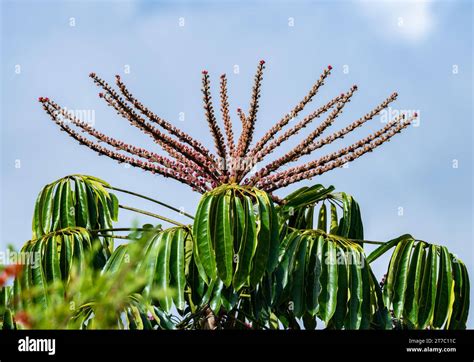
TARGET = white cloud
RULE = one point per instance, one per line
(410, 20)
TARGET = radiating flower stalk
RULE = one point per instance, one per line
(190, 162)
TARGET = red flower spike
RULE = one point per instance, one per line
(204, 72)
(329, 67)
(101, 95)
(416, 114)
(40, 99)
(262, 62)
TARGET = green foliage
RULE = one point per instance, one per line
(427, 286)
(75, 200)
(236, 234)
(244, 263)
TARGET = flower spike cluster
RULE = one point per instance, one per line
(188, 161)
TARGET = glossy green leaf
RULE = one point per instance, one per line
(414, 283)
(260, 259)
(342, 289)
(248, 243)
(313, 273)
(164, 242)
(401, 277)
(354, 316)
(224, 244)
(428, 289)
(444, 287)
(298, 286)
(203, 237)
(328, 296)
(322, 218)
(178, 278)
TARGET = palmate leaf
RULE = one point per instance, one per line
(75, 200)
(301, 206)
(427, 287)
(328, 277)
(49, 260)
(162, 260)
(236, 236)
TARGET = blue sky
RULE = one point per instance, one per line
(423, 50)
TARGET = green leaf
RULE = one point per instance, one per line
(322, 219)
(342, 290)
(114, 207)
(260, 259)
(328, 296)
(267, 210)
(202, 236)
(298, 286)
(307, 197)
(163, 267)
(82, 204)
(386, 247)
(334, 220)
(388, 290)
(428, 289)
(443, 293)
(282, 276)
(8, 323)
(354, 317)
(465, 296)
(401, 276)
(413, 283)
(38, 275)
(368, 296)
(313, 285)
(116, 259)
(68, 218)
(57, 212)
(216, 301)
(248, 243)
(178, 279)
(53, 270)
(37, 226)
(224, 245)
(345, 223)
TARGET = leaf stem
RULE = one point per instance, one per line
(150, 199)
(151, 214)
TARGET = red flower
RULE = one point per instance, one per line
(23, 318)
(3, 279)
(204, 72)
(329, 67)
(101, 95)
(262, 62)
(13, 270)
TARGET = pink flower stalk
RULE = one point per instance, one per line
(193, 164)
